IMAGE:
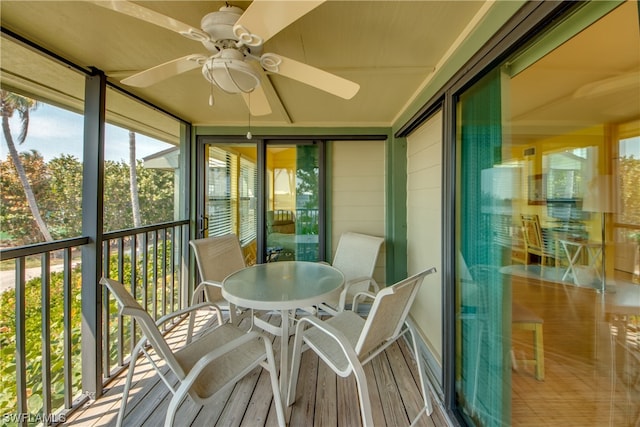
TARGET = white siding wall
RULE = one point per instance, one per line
(359, 192)
(424, 206)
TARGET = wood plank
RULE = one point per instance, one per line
(348, 403)
(408, 390)
(324, 399)
(233, 412)
(305, 403)
(391, 402)
(374, 394)
(257, 409)
(210, 414)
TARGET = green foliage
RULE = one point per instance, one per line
(33, 342)
(307, 174)
(57, 186)
(65, 196)
(629, 191)
(15, 216)
(155, 193)
(159, 293)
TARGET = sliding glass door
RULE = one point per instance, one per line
(547, 298)
(269, 193)
(292, 202)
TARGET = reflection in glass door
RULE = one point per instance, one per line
(231, 190)
(292, 202)
(547, 222)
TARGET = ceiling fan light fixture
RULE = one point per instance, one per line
(230, 73)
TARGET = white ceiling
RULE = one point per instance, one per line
(388, 47)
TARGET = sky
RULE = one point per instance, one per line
(54, 131)
(630, 147)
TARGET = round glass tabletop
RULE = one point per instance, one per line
(282, 285)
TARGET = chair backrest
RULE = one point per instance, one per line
(356, 255)
(388, 313)
(217, 257)
(532, 233)
(130, 307)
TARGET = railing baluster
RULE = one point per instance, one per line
(66, 291)
(154, 297)
(174, 274)
(120, 344)
(163, 268)
(106, 344)
(134, 289)
(145, 274)
(45, 286)
(172, 247)
(21, 362)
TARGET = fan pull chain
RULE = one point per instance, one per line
(249, 136)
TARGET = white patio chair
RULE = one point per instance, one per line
(347, 341)
(217, 257)
(205, 367)
(355, 257)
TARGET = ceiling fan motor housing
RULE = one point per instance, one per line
(219, 25)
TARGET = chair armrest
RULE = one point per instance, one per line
(371, 280)
(210, 283)
(201, 287)
(361, 295)
(345, 291)
(187, 310)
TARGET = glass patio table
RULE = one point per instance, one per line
(282, 286)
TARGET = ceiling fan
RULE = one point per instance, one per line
(235, 62)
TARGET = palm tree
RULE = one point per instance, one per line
(133, 181)
(11, 103)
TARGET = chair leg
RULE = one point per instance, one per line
(174, 403)
(127, 385)
(538, 348)
(192, 321)
(423, 377)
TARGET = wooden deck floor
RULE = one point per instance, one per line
(323, 399)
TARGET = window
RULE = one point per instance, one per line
(231, 194)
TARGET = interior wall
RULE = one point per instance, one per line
(424, 237)
(358, 193)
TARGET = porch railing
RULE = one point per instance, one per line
(40, 351)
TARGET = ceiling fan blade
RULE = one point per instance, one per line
(164, 71)
(152, 17)
(266, 18)
(257, 102)
(317, 78)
